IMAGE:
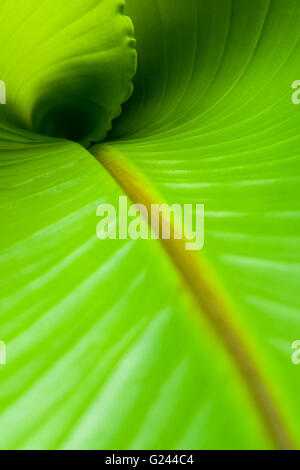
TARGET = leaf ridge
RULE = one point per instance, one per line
(201, 283)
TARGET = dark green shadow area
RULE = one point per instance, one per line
(67, 111)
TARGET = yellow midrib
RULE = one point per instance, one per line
(207, 293)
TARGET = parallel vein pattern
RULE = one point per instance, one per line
(221, 129)
(105, 347)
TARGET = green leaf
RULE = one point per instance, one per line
(103, 347)
(113, 344)
(67, 67)
(221, 129)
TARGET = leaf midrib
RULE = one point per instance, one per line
(208, 294)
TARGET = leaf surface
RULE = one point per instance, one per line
(106, 345)
(67, 65)
(221, 129)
